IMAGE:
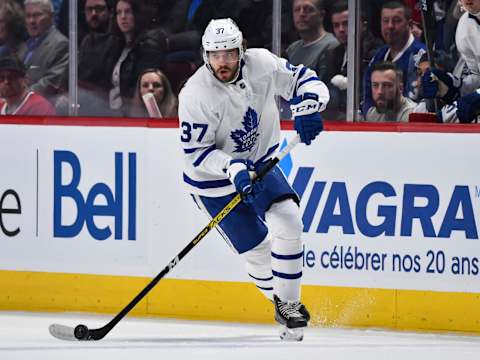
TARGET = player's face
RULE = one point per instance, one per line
(125, 17)
(306, 16)
(385, 90)
(224, 63)
(395, 26)
(12, 84)
(151, 82)
(472, 6)
(340, 26)
(96, 13)
(38, 19)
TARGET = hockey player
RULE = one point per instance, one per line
(230, 127)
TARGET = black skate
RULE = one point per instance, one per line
(290, 316)
(303, 310)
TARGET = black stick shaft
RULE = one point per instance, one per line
(97, 334)
(429, 24)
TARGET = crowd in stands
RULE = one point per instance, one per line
(127, 48)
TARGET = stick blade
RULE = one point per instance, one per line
(62, 332)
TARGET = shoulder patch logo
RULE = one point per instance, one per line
(246, 138)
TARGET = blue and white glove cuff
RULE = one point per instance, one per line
(305, 107)
(235, 167)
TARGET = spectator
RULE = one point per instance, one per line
(97, 18)
(311, 50)
(416, 26)
(442, 112)
(445, 86)
(154, 81)
(46, 51)
(338, 69)
(97, 15)
(12, 27)
(387, 88)
(401, 48)
(16, 97)
(109, 64)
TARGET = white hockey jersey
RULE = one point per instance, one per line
(467, 38)
(220, 121)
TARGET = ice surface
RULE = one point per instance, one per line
(25, 336)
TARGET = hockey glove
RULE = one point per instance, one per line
(438, 83)
(239, 174)
(468, 107)
(308, 122)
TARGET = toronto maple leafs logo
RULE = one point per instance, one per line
(245, 138)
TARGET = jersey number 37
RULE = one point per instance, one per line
(198, 129)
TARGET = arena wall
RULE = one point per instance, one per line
(92, 209)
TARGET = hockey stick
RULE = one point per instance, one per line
(82, 332)
(429, 24)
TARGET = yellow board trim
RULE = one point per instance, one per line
(240, 302)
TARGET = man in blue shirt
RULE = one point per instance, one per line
(401, 48)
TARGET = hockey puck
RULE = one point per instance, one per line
(81, 332)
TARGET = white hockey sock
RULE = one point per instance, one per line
(287, 268)
(259, 268)
(285, 227)
(264, 284)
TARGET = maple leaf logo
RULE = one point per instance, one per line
(246, 138)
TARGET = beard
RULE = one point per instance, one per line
(388, 106)
(225, 73)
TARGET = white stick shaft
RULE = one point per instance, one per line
(289, 147)
(151, 105)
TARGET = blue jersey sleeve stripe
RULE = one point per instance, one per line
(303, 70)
(287, 276)
(300, 75)
(287, 257)
(313, 78)
(206, 184)
(203, 155)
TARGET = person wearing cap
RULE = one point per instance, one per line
(15, 96)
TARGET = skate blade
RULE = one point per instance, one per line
(287, 334)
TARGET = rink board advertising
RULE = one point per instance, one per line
(391, 226)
